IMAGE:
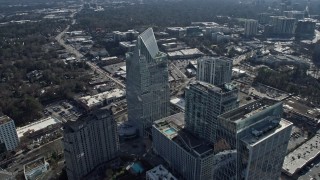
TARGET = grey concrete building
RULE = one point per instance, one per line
(89, 142)
(306, 28)
(283, 25)
(204, 103)
(8, 133)
(188, 155)
(147, 83)
(214, 70)
(250, 27)
(259, 137)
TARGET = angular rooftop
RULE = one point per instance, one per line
(149, 40)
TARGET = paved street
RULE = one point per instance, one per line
(102, 72)
(43, 150)
(78, 55)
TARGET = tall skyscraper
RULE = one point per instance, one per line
(216, 71)
(250, 27)
(257, 136)
(147, 83)
(190, 156)
(89, 142)
(8, 133)
(204, 103)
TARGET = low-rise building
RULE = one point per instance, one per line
(194, 31)
(297, 109)
(101, 99)
(159, 172)
(219, 37)
(125, 36)
(128, 45)
(300, 157)
(36, 168)
(37, 126)
(109, 60)
(185, 54)
(176, 31)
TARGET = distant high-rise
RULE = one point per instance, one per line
(89, 142)
(283, 25)
(216, 71)
(306, 28)
(253, 139)
(204, 103)
(147, 83)
(8, 133)
(250, 27)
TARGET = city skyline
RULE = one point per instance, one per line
(136, 89)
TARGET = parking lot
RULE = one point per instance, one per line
(63, 111)
(311, 172)
(298, 136)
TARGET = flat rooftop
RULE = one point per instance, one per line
(160, 172)
(91, 101)
(173, 128)
(128, 43)
(34, 164)
(4, 119)
(227, 87)
(36, 126)
(82, 121)
(179, 102)
(269, 130)
(176, 28)
(191, 51)
(301, 156)
(248, 110)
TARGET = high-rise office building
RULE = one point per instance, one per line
(191, 157)
(8, 133)
(283, 25)
(216, 71)
(204, 103)
(306, 28)
(255, 138)
(147, 83)
(250, 27)
(88, 142)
